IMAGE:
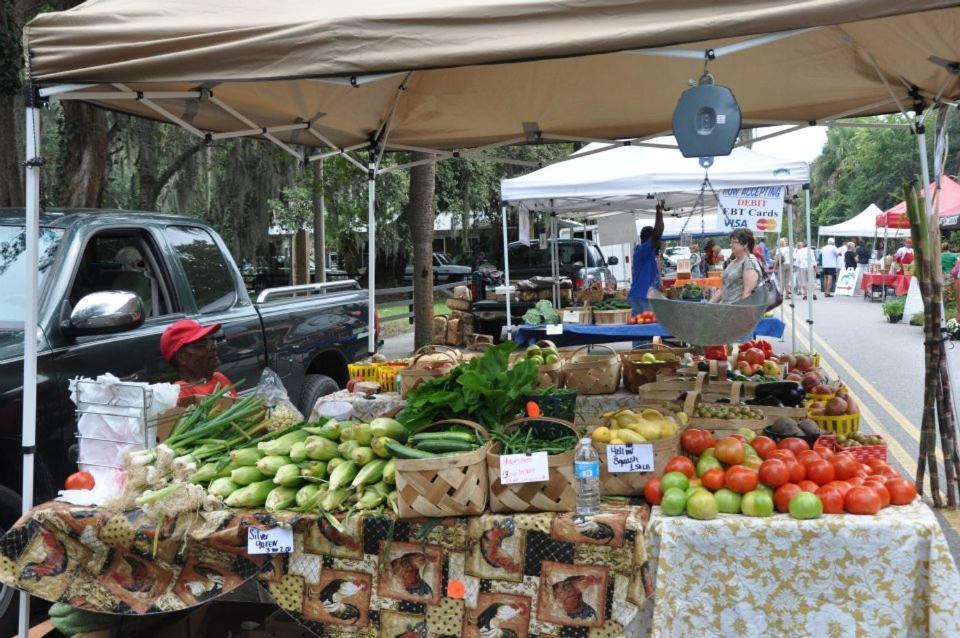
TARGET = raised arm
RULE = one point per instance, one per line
(658, 227)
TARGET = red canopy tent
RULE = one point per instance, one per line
(949, 206)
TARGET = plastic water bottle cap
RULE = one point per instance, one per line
(586, 440)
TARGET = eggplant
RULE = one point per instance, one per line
(767, 400)
(789, 393)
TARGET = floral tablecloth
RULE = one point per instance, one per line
(526, 576)
(589, 408)
(885, 575)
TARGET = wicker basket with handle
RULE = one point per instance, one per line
(632, 483)
(720, 427)
(636, 373)
(555, 495)
(591, 373)
(412, 376)
(454, 485)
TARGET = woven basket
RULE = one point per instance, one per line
(592, 374)
(636, 374)
(453, 485)
(580, 315)
(632, 483)
(559, 494)
(720, 427)
(411, 376)
(611, 316)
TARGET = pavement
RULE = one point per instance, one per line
(883, 365)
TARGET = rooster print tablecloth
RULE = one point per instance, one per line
(519, 576)
(839, 575)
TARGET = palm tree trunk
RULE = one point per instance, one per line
(420, 216)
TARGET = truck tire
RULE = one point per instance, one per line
(9, 599)
(492, 328)
(314, 387)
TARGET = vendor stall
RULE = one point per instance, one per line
(579, 334)
(872, 283)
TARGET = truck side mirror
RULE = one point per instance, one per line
(612, 261)
(105, 312)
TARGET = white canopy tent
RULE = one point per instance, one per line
(863, 224)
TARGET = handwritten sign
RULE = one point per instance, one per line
(630, 457)
(554, 328)
(278, 540)
(524, 468)
(571, 316)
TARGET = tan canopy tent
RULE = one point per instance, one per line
(437, 75)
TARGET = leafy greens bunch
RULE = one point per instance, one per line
(485, 390)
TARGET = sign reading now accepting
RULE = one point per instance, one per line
(757, 208)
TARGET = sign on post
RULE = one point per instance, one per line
(757, 208)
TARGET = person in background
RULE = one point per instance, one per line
(709, 261)
(850, 256)
(646, 271)
(759, 254)
(863, 256)
(766, 252)
(744, 272)
(841, 255)
(830, 260)
(783, 267)
(804, 261)
(189, 347)
(695, 261)
(947, 258)
(903, 257)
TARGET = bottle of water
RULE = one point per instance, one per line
(586, 466)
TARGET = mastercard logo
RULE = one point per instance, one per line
(766, 224)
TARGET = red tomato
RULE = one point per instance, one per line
(832, 499)
(713, 479)
(740, 479)
(753, 462)
(784, 454)
(902, 491)
(729, 451)
(797, 471)
(681, 464)
(861, 500)
(808, 486)
(881, 492)
(739, 437)
(844, 466)
(652, 492)
(808, 456)
(781, 498)
(754, 356)
(842, 486)
(80, 481)
(774, 473)
(856, 480)
(878, 468)
(824, 452)
(890, 474)
(873, 463)
(764, 446)
(794, 444)
(696, 440)
(820, 472)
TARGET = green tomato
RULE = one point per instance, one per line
(674, 502)
(707, 452)
(805, 505)
(747, 433)
(693, 489)
(674, 479)
(728, 501)
(765, 489)
(706, 463)
(757, 503)
(701, 505)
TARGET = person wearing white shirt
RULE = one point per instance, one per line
(804, 260)
(830, 258)
(782, 265)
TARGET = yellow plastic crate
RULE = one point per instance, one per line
(387, 376)
(845, 424)
(363, 371)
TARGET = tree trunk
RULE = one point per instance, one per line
(319, 226)
(420, 217)
(83, 163)
(11, 151)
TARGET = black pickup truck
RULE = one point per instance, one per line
(179, 268)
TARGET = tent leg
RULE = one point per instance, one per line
(32, 185)
(506, 271)
(813, 279)
(788, 285)
(371, 257)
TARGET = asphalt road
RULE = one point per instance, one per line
(883, 365)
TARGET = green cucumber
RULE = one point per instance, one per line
(401, 451)
(469, 437)
(438, 446)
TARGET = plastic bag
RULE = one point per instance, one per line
(283, 413)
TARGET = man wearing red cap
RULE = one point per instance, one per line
(188, 346)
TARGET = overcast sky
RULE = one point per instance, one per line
(805, 144)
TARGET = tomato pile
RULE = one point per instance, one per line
(646, 316)
(734, 476)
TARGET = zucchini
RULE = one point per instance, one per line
(438, 446)
(400, 451)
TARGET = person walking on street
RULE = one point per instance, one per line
(863, 256)
(829, 256)
(850, 256)
(804, 261)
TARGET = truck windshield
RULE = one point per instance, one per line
(13, 264)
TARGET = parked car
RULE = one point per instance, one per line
(579, 259)
(444, 271)
(675, 254)
(307, 334)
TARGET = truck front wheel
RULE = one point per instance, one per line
(314, 387)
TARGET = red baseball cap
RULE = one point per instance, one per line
(182, 332)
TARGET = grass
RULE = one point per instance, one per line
(439, 308)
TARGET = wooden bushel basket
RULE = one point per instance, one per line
(446, 486)
(632, 483)
(720, 427)
(592, 374)
(559, 494)
(411, 376)
(636, 374)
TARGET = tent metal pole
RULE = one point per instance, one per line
(789, 284)
(31, 240)
(812, 266)
(506, 271)
(371, 257)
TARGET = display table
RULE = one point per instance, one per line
(589, 408)
(885, 575)
(575, 334)
(900, 283)
(532, 574)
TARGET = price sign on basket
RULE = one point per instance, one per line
(277, 540)
(630, 457)
(554, 329)
(524, 468)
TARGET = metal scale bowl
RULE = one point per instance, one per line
(710, 324)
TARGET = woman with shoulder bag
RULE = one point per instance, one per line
(743, 274)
